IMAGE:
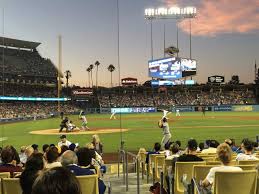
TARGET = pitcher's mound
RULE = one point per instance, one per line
(76, 132)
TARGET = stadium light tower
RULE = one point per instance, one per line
(176, 13)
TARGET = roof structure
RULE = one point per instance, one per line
(18, 43)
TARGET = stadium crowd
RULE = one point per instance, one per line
(64, 162)
(33, 109)
(178, 98)
(223, 157)
(29, 63)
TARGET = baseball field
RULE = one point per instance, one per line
(139, 130)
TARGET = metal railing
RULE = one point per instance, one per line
(123, 157)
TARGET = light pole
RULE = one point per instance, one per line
(176, 13)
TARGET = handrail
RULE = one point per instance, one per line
(137, 171)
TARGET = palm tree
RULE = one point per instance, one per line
(67, 76)
(91, 68)
(88, 70)
(111, 68)
(97, 63)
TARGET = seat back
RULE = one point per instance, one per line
(159, 165)
(248, 162)
(3, 175)
(151, 162)
(89, 184)
(247, 167)
(200, 172)
(182, 168)
(11, 186)
(235, 182)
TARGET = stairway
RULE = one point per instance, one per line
(117, 186)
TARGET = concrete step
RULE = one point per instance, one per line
(118, 187)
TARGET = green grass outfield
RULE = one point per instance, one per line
(143, 129)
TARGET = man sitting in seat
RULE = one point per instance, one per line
(247, 148)
(85, 157)
(213, 144)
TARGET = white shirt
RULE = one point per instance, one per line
(209, 150)
(67, 143)
(211, 176)
(243, 156)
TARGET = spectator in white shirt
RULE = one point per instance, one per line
(213, 144)
(247, 148)
(224, 153)
(64, 141)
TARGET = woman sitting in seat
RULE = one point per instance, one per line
(224, 154)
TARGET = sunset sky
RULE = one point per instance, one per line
(225, 35)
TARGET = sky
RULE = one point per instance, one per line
(225, 35)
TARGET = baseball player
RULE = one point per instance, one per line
(113, 116)
(166, 131)
(84, 121)
(165, 113)
(177, 112)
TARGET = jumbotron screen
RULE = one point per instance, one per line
(172, 68)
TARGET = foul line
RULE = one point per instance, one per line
(222, 126)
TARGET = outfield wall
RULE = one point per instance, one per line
(221, 108)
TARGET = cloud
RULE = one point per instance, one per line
(221, 16)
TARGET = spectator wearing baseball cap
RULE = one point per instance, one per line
(64, 141)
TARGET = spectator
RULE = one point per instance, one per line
(201, 147)
(70, 161)
(64, 141)
(35, 148)
(98, 146)
(22, 155)
(56, 180)
(191, 152)
(45, 147)
(156, 150)
(224, 153)
(213, 144)
(85, 156)
(52, 156)
(63, 149)
(33, 167)
(174, 150)
(248, 147)
(9, 161)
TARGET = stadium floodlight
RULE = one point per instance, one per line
(170, 13)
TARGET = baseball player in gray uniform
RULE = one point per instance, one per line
(166, 131)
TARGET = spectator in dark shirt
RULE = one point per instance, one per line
(156, 150)
(191, 152)
(70, 160)
(33, 167)
(9, 159)
(58, 180)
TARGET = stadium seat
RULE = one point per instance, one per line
(3, 175)
(200, 172)
(182, 168)
(159, 166)
(151, 164)
(248, 162)
(11, 186)
(89, 184)
(142, 162)
(247, 167)
(235, 182)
